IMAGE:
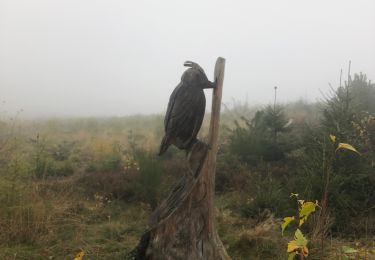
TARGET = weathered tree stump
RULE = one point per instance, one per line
(183, 226)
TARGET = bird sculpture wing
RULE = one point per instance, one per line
(184, 115)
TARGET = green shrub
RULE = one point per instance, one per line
(265, 193)
(258, 139)
(150, 178)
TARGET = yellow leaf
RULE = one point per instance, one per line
(287, 220)
(302, 220)
(299, 238)
(292, 246)
(294, 195)
(305, 251)
(306, 209)
(80, 255)
(347, 147)
(332, 137)
(298, 244)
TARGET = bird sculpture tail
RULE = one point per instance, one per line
(164, 145)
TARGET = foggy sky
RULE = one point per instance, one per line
(116, 57)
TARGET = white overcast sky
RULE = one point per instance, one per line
(116, 57)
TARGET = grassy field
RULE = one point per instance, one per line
(90, 184)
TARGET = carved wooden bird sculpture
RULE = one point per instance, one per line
(186, 109)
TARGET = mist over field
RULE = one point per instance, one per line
(115, 58)
(90, 168)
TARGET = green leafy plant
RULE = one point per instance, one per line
(298, 246)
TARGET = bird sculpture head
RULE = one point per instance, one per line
(195, 76)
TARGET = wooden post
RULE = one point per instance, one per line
(213, 136)
(183, 226)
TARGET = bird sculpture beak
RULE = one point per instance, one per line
(211, 84)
